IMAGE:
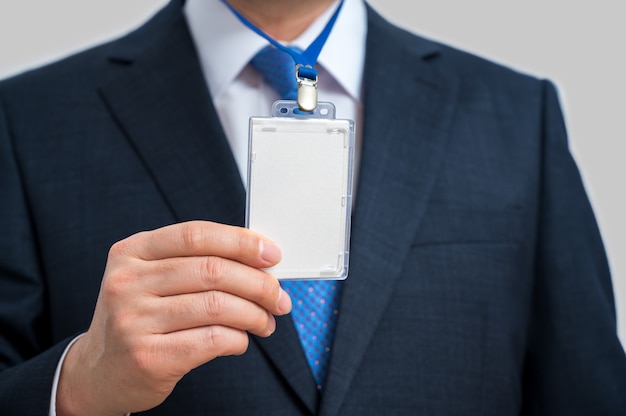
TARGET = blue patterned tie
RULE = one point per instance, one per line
(315, 302)
(314, 314)
(279, 70)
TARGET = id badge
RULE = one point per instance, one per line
(300, 170)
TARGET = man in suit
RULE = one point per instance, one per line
(478, 282)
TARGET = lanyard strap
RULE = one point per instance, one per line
(305, 60)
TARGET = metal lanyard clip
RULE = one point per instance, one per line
(307, 87)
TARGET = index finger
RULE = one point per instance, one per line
(201, 238)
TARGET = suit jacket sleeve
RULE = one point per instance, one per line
(25, 374)
(575, 363)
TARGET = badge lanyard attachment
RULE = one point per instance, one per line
(306, 74)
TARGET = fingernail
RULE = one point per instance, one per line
(284, 302)
(271, 325)
(270, 252)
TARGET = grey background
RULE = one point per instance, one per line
(579, 46)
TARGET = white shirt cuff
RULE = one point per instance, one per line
(55, 381)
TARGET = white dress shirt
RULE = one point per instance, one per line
(225, 47)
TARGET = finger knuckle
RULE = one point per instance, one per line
(192, 236)
(144, 360)
(225, 342)
(213, 337)
(121, 324)
(116, 284)
(214, 304)
(213, 270)
(119, 248)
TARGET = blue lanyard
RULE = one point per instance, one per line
(304, 60)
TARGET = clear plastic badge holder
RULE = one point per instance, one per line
(300, 170)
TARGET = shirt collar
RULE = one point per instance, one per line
(225, 45)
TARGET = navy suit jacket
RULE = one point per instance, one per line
(478, 281)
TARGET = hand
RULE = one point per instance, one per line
(171, 299)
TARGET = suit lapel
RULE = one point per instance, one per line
(407, 110)
(283, 348)
(153, 92)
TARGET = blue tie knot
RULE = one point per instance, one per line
(279, 70)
